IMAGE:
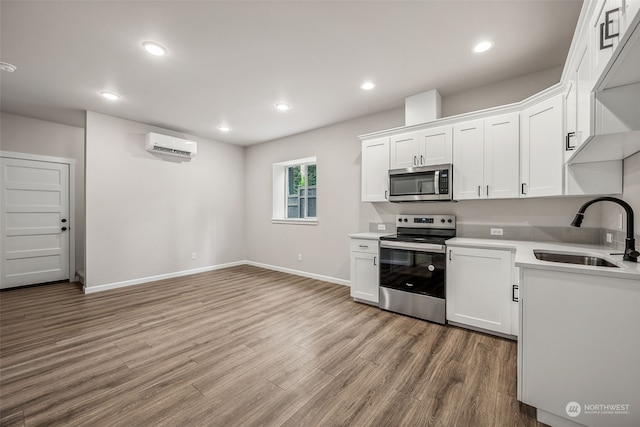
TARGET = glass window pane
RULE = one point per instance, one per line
(301, 191)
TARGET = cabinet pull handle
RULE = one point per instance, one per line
(478, 191)
(487, 191)
(604, 29)
(450, 256)
(374, 260)
(415, 160)
(524, 188)
(421, 159)
(515, 294)
(386, 193)
(363, 246)
(570, 147)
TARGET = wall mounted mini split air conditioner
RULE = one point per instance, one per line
(166, 145)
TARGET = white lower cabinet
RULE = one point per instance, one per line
(481, 289)
(364, 270)
(578, 350)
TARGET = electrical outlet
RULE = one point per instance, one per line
(299, 257)
(497, 231)
(194, 255)
(609, 237)
(382, 227)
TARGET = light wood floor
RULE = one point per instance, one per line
(243, 346)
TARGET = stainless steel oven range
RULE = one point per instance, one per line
(412, 266)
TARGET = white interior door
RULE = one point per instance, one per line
(35, 222)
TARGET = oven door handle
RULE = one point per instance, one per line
(408, 246)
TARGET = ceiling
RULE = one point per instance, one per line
(230, 62)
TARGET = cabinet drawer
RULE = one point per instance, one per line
(364, 245)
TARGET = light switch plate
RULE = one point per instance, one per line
(382, 227)
(497, 231)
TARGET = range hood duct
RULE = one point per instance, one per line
(422, 108)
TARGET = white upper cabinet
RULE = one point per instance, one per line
(375, 170)
(541, 149)
(502, 155)
(579, 100)
(421, 148)
(486, 158)
(468, 170)
(404, 151)
(605, 32)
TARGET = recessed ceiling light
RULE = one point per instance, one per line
(5, 66)
(368, 85)
(111, 96)
(282, 106)
(154, 48)
(223, 128)
(482, 47)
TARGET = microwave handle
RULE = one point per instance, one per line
(436, 182)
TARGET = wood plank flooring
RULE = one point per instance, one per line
(243, 346)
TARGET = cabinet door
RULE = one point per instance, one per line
(479, 288)
(404, 151)
(607, 22)
(502, 156)
(435, 146)
(364, 276)
(468, 168)
(375, 170)
(583, 98)
(541, 149)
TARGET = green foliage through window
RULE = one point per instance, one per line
(301, 191)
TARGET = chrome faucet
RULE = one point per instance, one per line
(630, 252)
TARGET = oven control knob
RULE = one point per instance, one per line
(442, 220)
(406, 220)
(449, 221)
(399, 219)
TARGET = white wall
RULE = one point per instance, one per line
(325, 247)
(630, 194)
(26, 135)
(145, 215)
(501, 93)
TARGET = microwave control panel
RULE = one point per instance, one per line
(443, 185)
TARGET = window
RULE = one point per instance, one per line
(294, 191)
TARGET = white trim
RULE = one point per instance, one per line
(125, 283)
(296, 221)
(36, 157)
(301, 273)
(71, 199)
(515, 107)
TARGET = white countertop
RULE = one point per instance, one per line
(525, 258)
(369, 235)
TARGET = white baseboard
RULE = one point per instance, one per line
(115, 285)
(301, 273)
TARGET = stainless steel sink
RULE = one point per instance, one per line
(573, 258)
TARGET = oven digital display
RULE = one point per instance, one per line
(423, 220)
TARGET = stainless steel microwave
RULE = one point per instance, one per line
(421, 184)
